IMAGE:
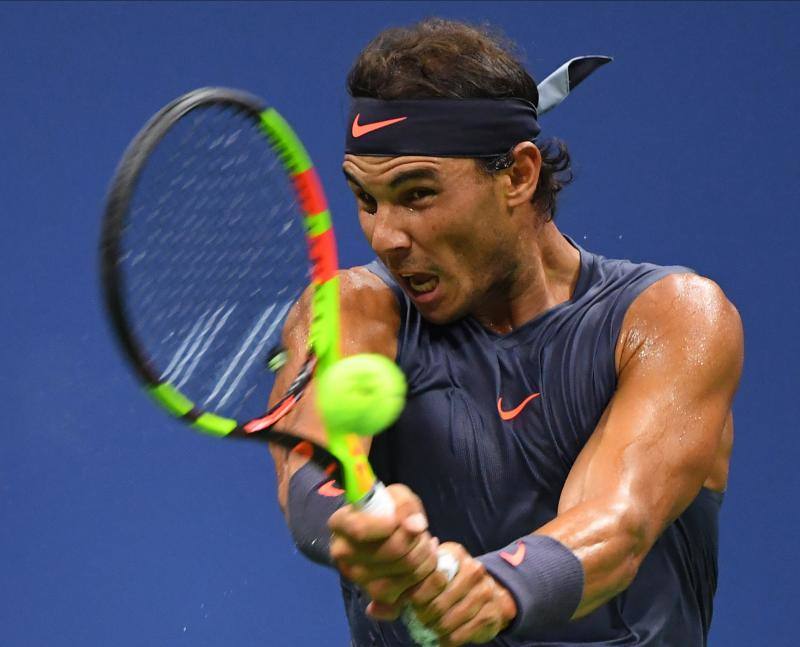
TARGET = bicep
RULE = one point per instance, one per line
(658, 437)
(369, 324)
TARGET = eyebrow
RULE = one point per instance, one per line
(417, 174)
(406, 176)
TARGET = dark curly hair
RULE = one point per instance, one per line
(446, 58)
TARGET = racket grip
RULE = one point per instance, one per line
(379, 502)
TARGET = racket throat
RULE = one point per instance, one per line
(357, 475)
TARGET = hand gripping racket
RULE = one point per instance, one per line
(214, 224)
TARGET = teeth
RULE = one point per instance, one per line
(424, 286)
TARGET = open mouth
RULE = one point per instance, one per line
(420, 284)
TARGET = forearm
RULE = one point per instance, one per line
(568, 567)
(609, 539)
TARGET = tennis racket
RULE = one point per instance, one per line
(215, 224)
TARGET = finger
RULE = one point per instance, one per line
(384, 611)
(422, 549)
(360, 526)
(408, 508)
(392, 588)
(400, 545)
(345, 570)
(470, 574)
(415, 523)
(480, 629)
(422, 593)
(465, 609)
(345, 550)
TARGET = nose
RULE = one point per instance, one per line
(388, 236)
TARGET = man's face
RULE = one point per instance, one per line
(440, 226)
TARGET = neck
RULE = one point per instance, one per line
(544, 275)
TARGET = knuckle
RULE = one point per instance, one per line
(439, 581)
(466, 570)
(420, 596)
(429, 614)
(390, 589)
(404, 548)
(389, 550)
(473, 570)
(487, 591)
(437, 607)
(358, 574)
(378, 590)
(404, 585)
(457, 550)
(339, 549)
(426, 591)
(408, 564)
(399, 491)
(423, 565)
(357, 531)
(449, 622)
(486, 625)
(413, 498)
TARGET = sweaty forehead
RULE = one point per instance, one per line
(391, 171)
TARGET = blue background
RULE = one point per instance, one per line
(118, 527)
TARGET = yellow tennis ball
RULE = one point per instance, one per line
(361, 394)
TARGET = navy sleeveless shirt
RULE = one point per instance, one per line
(489, 457)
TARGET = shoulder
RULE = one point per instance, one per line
(359, 287)
(370, 313)
(683, 298)
(682, 315)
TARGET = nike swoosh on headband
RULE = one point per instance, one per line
(359, 130)
(446, 127)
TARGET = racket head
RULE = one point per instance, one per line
(205, 214)
(213, 219)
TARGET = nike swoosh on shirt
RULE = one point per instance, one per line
(515, 558)
(513, 413)
(359, 130)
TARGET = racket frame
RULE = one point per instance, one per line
(357, 475)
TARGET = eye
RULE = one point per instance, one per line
(367, 202)
(418, 195)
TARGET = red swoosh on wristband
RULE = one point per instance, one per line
(515, 558)
(329, 489)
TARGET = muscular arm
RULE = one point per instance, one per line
(679, 360)
(369, 324)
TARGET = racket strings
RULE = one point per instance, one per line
(214, 257)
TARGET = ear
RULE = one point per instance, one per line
(523, 174)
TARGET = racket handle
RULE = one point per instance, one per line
(379, 502)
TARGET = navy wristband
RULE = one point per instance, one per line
(545, 579)
(313, 498)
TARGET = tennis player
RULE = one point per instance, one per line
(568, 425)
